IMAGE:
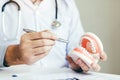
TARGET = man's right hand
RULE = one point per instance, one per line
(33, 46)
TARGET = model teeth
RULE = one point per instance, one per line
(96, 38)
(93, 47)
(84, 50)
(93, 50)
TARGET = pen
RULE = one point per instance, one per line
(58, 39)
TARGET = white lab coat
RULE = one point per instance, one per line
(40, 18)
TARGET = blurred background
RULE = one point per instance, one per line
(102, 17)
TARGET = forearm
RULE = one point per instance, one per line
(11, 56)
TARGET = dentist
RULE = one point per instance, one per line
(49, 18)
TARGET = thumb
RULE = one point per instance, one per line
(95, 67)
(103, 56)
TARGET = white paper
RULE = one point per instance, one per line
(40, 73)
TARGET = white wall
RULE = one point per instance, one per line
(102, 17)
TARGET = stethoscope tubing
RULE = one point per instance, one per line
(56, 23)
(3, 18)
(3, 7)
(56, 9)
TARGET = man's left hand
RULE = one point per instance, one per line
(79, 64)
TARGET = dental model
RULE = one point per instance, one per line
(89, 51)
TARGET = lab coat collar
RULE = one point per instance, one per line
(31, 5)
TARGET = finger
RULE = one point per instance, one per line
(48, 31)
(69, 59)
(84, 67)
(103, 56)
(95, 67)
(42, 42)
(41, 50)
(56, 37)
(40, 56)
(73, 65)
(41, 35)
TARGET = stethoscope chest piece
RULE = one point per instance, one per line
(56, 24)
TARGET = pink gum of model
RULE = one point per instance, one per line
(89, 50)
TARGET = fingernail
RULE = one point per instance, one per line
(103, 57)
(79, 62)
(86, 69)
(95, 67)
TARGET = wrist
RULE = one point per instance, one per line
(11, 56)
(5, 63)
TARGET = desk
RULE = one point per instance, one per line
(24, 72)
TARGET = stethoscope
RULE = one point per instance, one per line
(55, 24)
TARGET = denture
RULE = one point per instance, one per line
(90, 49)
(91, 43)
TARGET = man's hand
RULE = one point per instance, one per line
(33, 46)
(79, 64)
